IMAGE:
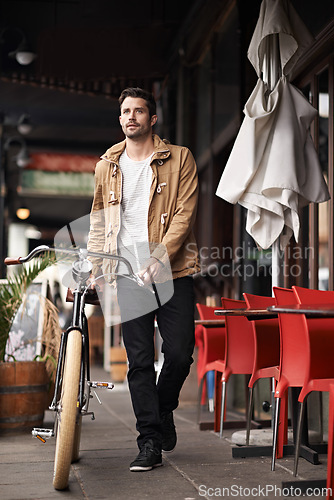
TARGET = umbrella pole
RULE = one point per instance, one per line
(270, 75)
(271, 62)
(276, 277)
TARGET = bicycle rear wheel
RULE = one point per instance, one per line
(67, 412)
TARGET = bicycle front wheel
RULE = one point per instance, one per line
(76, 441)
(67, 412)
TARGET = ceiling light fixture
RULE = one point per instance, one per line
(22, 213)
(22, 53)
(24, 125)
(22, 158)
(23, 56)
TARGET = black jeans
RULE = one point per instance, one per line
(175, 320)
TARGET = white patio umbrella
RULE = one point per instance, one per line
(273, 169)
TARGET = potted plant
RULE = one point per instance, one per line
(24, 385)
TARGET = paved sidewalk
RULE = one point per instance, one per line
(200, 467)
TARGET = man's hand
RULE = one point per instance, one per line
(150, 271)
(95, 283)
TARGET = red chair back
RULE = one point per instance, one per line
(240, 348)
(309, 296)
(213, 338)
(266, 336)
(294, 343)
(320, 333)
(199, 343)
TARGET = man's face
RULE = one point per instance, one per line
(135, 119)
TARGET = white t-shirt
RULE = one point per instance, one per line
(133, 235)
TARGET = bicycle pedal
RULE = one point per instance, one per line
(100, 385)
(42, 434)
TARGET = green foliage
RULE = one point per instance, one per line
(13, 292)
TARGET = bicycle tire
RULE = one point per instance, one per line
(68, 411)
(77, 437)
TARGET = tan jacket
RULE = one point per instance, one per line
(171, 212)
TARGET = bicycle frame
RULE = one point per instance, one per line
(79, 322)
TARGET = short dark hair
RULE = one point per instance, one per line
(141, 93)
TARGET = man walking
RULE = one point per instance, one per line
(147, 190)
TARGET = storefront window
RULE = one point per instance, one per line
(203, 116)
(323, 106)
(218, 88)
(227, 75)
(315, 15)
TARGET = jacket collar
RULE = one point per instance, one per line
(161, 150)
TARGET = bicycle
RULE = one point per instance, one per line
(72, 382)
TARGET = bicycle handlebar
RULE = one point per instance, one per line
(71, 251)
(9, 261)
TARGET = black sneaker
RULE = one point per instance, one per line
(168, 432)
(147, 458)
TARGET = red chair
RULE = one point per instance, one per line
(319, 348)
(208, 383)
(212, 349)
(199, 343)
(292, 362)
(266, 336)
(239, 358)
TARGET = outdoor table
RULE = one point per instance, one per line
(210, 323)
(250, 314)
(310, 310)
